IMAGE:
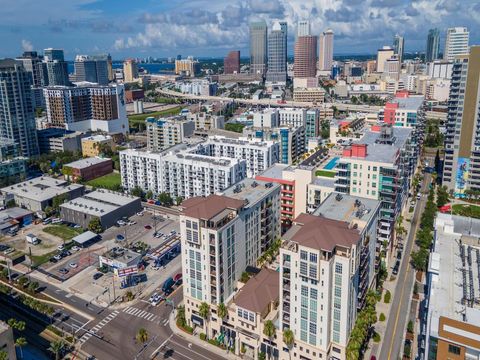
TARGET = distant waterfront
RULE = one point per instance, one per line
(150, 68)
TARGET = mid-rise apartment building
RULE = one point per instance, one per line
(59, 140)
(462, 136)
(163, 133)
(179, 172)
(380, 166)
(221, 235)
(292, 117)
(404, 110)
(189, 67)
(206, 121)
(326, 267)
(314, 95)
(87, 107)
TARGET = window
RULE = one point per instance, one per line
(304, 291)
(313, 271)
(338, 268)
(453, 349)
(313, 257)
(374, 168)
(338, 291)
(313, 327)
(303, 255)
(355, 166)
(313, 294)
(336, 337)
(303, 268)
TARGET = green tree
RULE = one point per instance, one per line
(142, 336)
(442, 196)
(178, 200)
(420, 259)
(129, 296)
(222, 310)
(269, 329)
(165, 199)
(288, 339)
(149, 194)
(181, 319)
(95, 225)
(56, 347)
(33, 286)
(262, 356)
(59, 200)
(3, 355)
(244, 277)
(20, 343)
(137, 191)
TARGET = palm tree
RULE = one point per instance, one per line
(56, 348)
(3, 355)
(20, 342)
(222, 310)
(142, 336)
(204, 312)
(269, 330)
(288, 339)
(181, 321)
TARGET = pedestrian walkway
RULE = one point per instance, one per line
(196, 340)
(140, 313)
(97, 327)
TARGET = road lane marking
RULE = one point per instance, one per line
(193, 351)
(161, 345)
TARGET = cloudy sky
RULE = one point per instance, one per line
(204, 28)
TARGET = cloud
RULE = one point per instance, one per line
(27, 45)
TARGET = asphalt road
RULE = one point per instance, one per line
(396, 324)
(116, 335)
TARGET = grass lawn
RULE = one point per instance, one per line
(141, 117)
(42, 259)
(63, 231)
(110, 181)
(466, 210)
(325, 173)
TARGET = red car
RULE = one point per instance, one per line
(178, 278)
(148, 227)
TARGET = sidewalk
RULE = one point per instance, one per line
(195, 340)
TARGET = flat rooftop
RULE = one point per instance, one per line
(251, 190)
(41, 188)
(409, 103)
(259, 291)
(348, 208)
(324, 181)
(97, 138)
(99, 202)
(209, 207)
(305, 232)
(384, 153)
(87, 162)
(451, 291)
(274, 172)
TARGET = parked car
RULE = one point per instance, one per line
(53, 260)
(97, 275)
(132, 222)
(73, 265)
(57, 257)
(121, 222)
(60, 247)
(178, 279)
(167, 285)
(32, 239)
(148, 227)
(47, 221)
(120, 237)
(140, 213)
(396, 267)
(63, 271)
(57, 221)
(8, 251)
(75, 248)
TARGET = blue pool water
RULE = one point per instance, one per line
(331, 164)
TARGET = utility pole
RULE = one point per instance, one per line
(113, 285)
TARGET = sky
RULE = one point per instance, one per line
(210, 28)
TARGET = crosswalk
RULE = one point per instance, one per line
(97, 327)
(140, 313)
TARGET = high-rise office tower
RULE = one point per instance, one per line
(32, 63)
(130, 70)
(305, 56)
(462, 138)
(433, 45)
(277, 53)
(325, 49)
(258, 47)
(85, 69)
(102, 69)
(456, 43)
(303, 28)
(57, 67)
(111, 73)
(398, 46)
(231, 63)
(17, 115)
(383, 55)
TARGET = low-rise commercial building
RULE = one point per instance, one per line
(451, 326)
(60, 140)
(164, 133)
(108, 206)
(92, 145)
(38, 193)
(119, 258)
(87, 169)
(313, 95)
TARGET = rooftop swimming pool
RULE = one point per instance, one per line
(332, 163)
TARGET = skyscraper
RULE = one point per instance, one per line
(456, 43)
(398, 46)
(277, 53)
(17, 115)
(303, 28)
(111, 74)
(258, 47)
(32, 63)
(130, 70)
(231, 63)
(305, 56)
(326, 50)
(93, 69)
(462, 152)
(433, 45)
(57, 68)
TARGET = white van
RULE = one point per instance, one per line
(32, 239)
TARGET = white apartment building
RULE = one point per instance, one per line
(456, 43)
(163, 133)
(292, 117)
(259, 154)
(266, 118)
(440, 69)
(221, 235)
(179, 172)
(321, 288)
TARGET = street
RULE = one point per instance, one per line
(396, 324)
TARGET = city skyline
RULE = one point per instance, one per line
(196, 28)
